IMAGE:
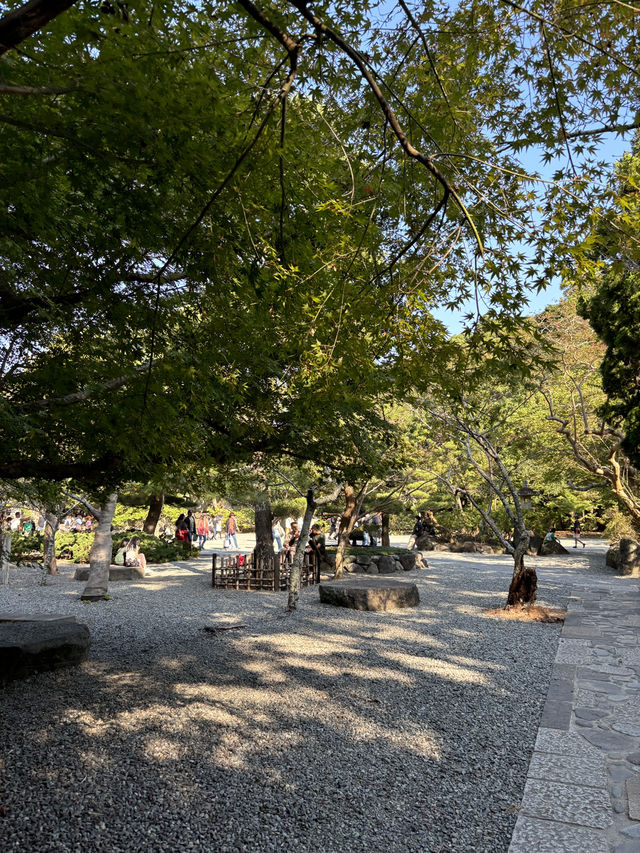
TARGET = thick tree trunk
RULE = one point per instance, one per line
(100, 556)
(524, 583)
(264, 535)
(386, 541)
(156, 502)
(296, 568)
(347, 520)
(49, 560)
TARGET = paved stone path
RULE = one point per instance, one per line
(583, 787)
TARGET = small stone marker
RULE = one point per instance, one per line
(39, 642)
(633, 793)
(370, 593)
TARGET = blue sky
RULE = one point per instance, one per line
(611, 150)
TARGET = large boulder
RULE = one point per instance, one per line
(625, 558)
(551, 547)
(36, 643)
(408, 560)
(116, 573)
(424, 542)
(370, 594)
(612, 558)
(387, 565)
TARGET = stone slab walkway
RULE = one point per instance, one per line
(583, 787)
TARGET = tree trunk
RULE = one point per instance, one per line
(347, 520)
(156, 502)
(264, 534)
(386, 541)
(524, 583)
(5, 555)
(49, 560)
(296, 568)
(100, 556)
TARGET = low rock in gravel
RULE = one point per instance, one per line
(372, 594)
(27, 647)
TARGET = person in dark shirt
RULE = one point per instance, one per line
(317, 542)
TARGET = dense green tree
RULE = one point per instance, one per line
(222, 224)
(613, 306)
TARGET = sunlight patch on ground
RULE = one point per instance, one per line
(443, 668)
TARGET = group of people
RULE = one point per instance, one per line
(17, 523)
(27, 524)
(286, 539)
(425, 525)
(78, 524)
(198, 528)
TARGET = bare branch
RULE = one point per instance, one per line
(28, 19)
(6, 89)
(79, 396)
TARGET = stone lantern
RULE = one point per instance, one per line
(525, 493)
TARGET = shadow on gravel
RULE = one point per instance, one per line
(328, 729)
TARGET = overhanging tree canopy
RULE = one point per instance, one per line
(220, 222)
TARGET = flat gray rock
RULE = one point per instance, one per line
(116, 573)
(370, 594)
(27, 647)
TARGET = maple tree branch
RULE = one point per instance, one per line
(28, 19)
(389, 114)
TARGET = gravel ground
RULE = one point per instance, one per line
(324, 730)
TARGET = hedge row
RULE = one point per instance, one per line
(76, 546)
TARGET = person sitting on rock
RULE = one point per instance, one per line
(133, 555)
(551, 535)
(119, 557)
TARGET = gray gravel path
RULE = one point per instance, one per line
(325, 730)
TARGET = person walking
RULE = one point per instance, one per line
(216, 533)
(202, 527)
(576, 533)
(231, 529)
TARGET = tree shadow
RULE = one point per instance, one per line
(324, 729)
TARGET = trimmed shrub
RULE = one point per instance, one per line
(26, 549)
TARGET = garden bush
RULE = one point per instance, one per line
(76, 547)
(25, 548)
